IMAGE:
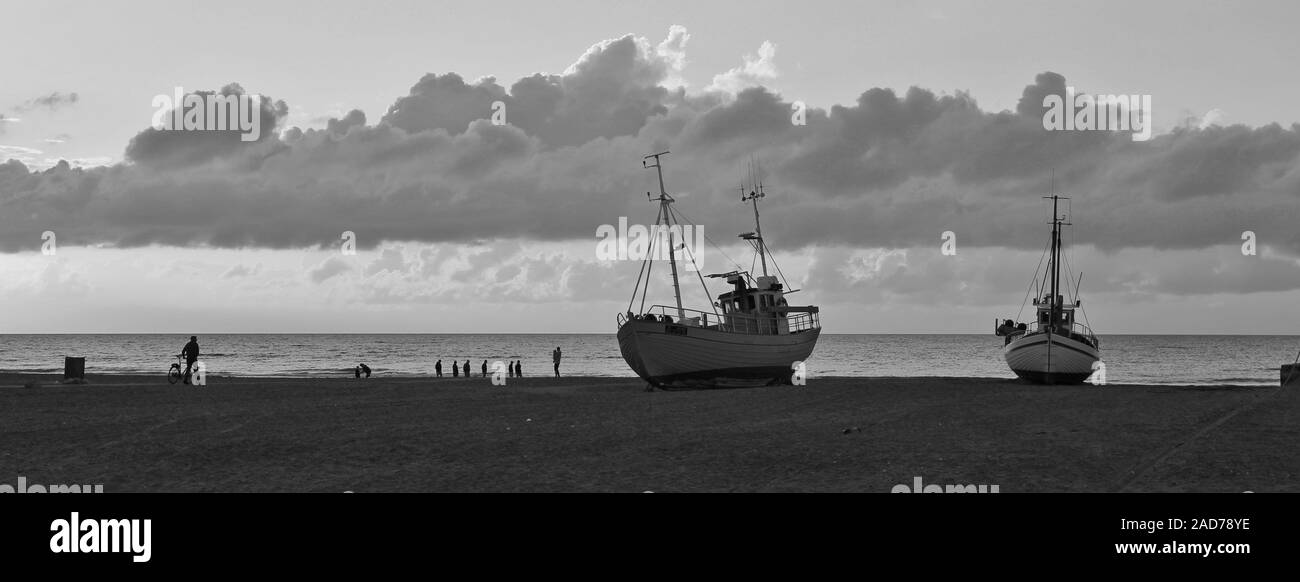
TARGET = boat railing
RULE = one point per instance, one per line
(752, 324)
(1082, 330)
(1076, 329)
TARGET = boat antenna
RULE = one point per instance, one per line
(665, 219)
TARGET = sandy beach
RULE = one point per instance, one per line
(139, 434)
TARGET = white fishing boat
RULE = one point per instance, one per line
(750, 336)
(1055, 348)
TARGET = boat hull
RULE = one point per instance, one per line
(679, 356)
(1045, 358)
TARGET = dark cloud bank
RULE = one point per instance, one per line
(890, 170)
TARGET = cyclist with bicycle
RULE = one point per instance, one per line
(191, 355)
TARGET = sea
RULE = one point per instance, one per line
(1243, 360)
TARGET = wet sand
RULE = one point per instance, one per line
(139, 434)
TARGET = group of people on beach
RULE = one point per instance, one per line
(515, 369)
(191, 354)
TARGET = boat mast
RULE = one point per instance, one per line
(753, 196)
(1056, 297)
(665, 218)
(1056, 266)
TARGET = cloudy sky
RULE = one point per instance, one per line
(920, 118)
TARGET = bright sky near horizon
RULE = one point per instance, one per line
(466, 227)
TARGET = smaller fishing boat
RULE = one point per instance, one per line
(1055, 348)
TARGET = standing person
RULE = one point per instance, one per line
(357, 370)
(437, 368)
(485, 368)
(366, 370)
(466, 368)
(455, 369)
(556, 356)
(519, 372)
(191, 354)
(510, 368)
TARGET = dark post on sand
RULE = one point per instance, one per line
(74, 367)
(1291, 374)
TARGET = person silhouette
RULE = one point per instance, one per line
(466, 368)
(510, 369)
(519, 372)
(485, 368)
(455, 369)
(365, 370)
(556, 357)
(191, 354)
(437, 368)
(357, 371)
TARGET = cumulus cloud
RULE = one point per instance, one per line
(241, 270)
(507, 271)
(390, 259)
(17, 157)
(444, 102)
(757, 70)
(891, 170)
(998, 276)
(328, 268)
(523, 272)
(167, 150)
(339, 127)
(1211, 117)
(673, 51)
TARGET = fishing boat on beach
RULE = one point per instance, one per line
(749, 337)
(1055, 348)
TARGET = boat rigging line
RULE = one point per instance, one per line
(667, 215)
(1032, 283)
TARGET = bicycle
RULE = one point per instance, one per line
(177, 371)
